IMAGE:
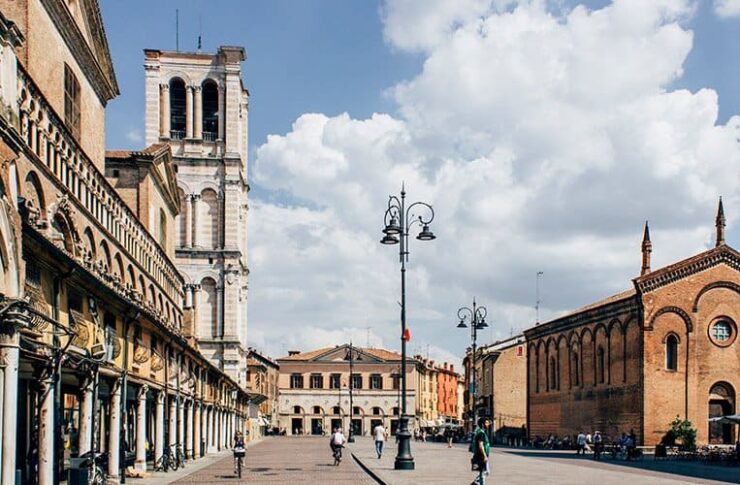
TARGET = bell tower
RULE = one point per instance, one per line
(197, 103)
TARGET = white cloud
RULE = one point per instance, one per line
(134, 135)
(727, 8)
(543, 140)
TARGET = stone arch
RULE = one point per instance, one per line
(672, 309)
(729, 285)
(35, 200)
(10, 281)
(104, 255)
(722, 402)
(532, 367)
(142, 287)
(587, 356)
(89, 241)
(541, 366)
(208, 308)
(152, 295)
(616, 353)
(632, 353)
(131, 276)
(63, 233)
(208, 219)
(562, 356)
(118, 268)
(601, 354)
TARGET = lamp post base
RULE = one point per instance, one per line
(404, 460)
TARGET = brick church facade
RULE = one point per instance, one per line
(634, 361)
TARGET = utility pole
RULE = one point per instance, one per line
(537, 298)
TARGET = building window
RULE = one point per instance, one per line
(210, 110)
(297, 410)
(317, 381)
(177, 109)
(396, 382)
(356, 381)
(671, 353)
(576, 377)
(317, 409)
(336, 410)
(163, 228)
(376, 411)
(296, 381)
(356, 411)
(376, 381)
(395, 411)
(334, 381)
(723, 332)
(600, 364)
(553, 384)
(71, 101)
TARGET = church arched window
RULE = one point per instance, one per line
(210, 110)
(671, 353)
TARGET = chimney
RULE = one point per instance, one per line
(647, 248)
(720, 224)
(445, 366)
(452, 367)
(293, 352)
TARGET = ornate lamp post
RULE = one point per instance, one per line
(477, 317)
(398, 220)
(350, 357)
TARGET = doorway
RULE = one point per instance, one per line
(721, 403)
(357, 427)
(336, 423)
(317, 426)
(296, 425)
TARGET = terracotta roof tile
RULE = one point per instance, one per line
(118, 153)
(378, 353)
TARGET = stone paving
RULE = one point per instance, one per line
(284, 460)
(435, 463)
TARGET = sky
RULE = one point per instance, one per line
(543, 133)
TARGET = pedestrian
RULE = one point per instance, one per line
(589, 442)
(481, 448)
(598, 445)
(379, 434)
(448, 435)
(581, 443)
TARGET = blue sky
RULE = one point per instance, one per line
(543, 132)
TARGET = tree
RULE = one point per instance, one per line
(682, 431)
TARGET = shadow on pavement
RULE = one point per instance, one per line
(682, 468)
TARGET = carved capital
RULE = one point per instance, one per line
(164, 87)
(141, 393)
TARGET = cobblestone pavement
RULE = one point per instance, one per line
(284, 460)
(435, 463)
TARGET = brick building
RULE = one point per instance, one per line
(262, 378)
(447, 380)
(666, 347)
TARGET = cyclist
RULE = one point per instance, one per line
(336, 442)
(238, 447)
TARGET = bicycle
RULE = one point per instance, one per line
(166, 462)
(179, 456)
(239, 453)
(337, 453)
(96, 465)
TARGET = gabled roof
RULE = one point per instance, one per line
(339, 352)
(156, 155)
(687, 267)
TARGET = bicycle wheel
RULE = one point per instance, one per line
(239, 467)
(99, 477)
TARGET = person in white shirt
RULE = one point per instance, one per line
(379, 434)
(581, 443)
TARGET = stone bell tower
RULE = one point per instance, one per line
(197, 103)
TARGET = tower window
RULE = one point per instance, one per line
(177, 108)
(210, 110)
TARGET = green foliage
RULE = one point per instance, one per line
(682, 432)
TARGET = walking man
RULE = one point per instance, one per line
(379, 434)
(481, 450)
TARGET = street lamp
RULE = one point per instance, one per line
(398, 220)
(477, 317)
(350, 357)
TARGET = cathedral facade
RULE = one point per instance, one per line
(197, 104)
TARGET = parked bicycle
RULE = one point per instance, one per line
(179, 456)
(96, 467)
(167, 461)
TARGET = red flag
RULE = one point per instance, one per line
(407, 335)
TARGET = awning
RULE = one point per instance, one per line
(730, 419)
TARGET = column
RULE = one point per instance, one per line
(219, 432)
(188, 111)
(220, 309)
(188, 296)
(159, 435)
(196, 308)
(173, 424)
(164, 110)
(196, 215)
(221, 219)
(221, 111)
(190, 449)
(181, 424)
(196, 429)
(86, 410)
(140, 464)
(114, 434)
(198, 122)
(9, 356)
(211, 429)
(189, 221)
(46, 433)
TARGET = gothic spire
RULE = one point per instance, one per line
(720, 224)
(647, 248)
